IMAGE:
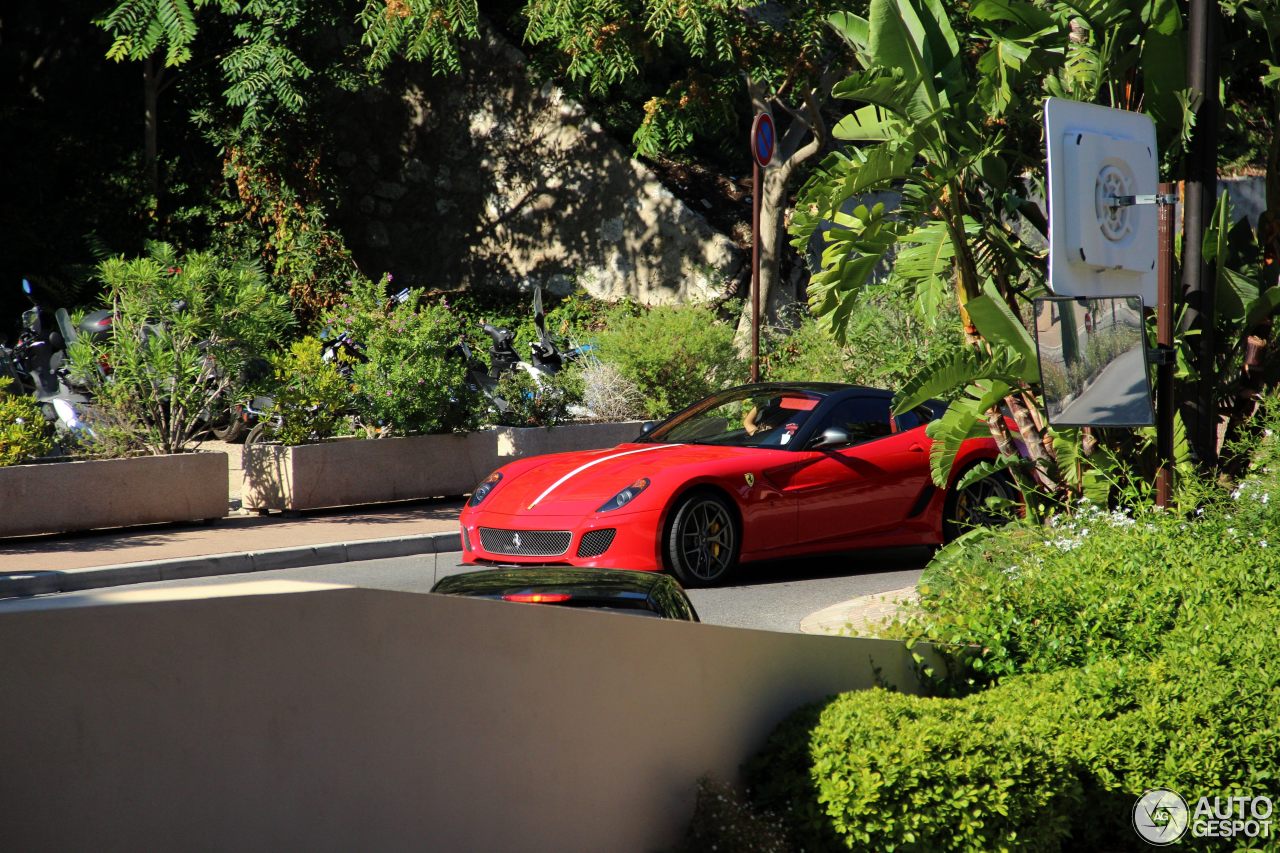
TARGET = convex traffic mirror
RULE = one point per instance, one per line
(1093, 361)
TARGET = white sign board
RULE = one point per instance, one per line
(1098, 248)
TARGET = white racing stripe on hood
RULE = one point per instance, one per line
(582, 468)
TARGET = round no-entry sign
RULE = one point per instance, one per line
(763, 139)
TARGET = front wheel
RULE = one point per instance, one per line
(257, 434)
(703, 542)
(971, 506)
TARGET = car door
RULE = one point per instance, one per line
(870, 485)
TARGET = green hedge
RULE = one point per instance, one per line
(675, 355)
(1117, 654)
(1040, 762)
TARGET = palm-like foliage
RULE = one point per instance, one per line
(946, 113)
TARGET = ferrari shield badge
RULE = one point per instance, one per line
(751, 479)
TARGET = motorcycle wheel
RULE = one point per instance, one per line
(257, 434)
(229, 427)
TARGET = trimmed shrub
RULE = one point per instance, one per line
(674, 355)
(1131, 653)
(408, 380)
(314, 400)
(24, 431)
(879, 770)
(1038, 762)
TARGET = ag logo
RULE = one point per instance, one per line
(750, 478)
(1160, 816)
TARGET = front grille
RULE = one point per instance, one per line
(596, 542)
(525, 543)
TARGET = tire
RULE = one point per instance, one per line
(229, 428)
(703, 541)
(257, 434)
(967, 508)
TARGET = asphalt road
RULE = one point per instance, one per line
(772, 596)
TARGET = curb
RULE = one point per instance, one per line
(25, 584)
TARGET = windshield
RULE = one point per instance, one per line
(742, 417)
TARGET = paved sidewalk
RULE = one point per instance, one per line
(239, 543)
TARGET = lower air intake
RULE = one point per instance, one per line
(596, 542)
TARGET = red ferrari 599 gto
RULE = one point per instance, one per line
(753, 473)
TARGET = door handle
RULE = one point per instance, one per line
(915, 448)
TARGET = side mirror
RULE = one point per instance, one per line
(647, 427)
(831, 437)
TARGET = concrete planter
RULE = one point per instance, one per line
(57, 497)
(348, 472)
(514, 442)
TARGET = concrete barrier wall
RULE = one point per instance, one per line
(60, 496)
(352, 719)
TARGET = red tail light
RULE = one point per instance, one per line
(538, 597)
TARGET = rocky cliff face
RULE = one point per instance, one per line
(485, 179)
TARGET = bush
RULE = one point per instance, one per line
(1096, 585)
(1038, 762)
(314, 400)
(538, 403)
(24, 432)
(409, 381)
(877, 770)
(674, 355)
(608, 395)
(1131, 653)
(885, 345)
(182, 332)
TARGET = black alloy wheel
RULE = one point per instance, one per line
(969, 508)
(703, 542)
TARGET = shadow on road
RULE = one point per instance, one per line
(868, 561)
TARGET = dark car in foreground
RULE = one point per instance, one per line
(619, 591)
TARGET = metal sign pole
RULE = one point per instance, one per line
(1164, 344)
(755, 270)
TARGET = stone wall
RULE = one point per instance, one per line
(485, 179)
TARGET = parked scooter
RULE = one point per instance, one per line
(546, 358)
(256, 416)
(37, 363)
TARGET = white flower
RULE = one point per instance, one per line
(1262, 543)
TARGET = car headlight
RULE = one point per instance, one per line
(625, 496)
(482, 491)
